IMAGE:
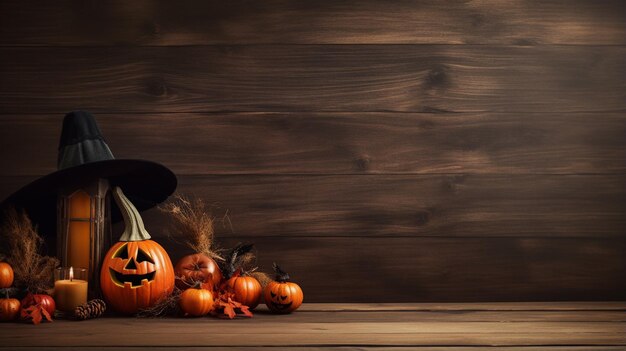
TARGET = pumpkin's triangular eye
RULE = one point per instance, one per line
(273, 295)
(122, 252)
(142, 256)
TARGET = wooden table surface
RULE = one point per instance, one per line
(408, 326)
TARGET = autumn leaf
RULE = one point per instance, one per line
(226, 306)
(229, 311)
(32, 314)
(46, 314)
(245, 311)
(35, 313)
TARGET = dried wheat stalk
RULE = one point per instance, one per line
(21, 244)
(193, 224)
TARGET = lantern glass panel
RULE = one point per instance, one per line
(80, 229)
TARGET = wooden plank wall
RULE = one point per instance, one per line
(380, 150)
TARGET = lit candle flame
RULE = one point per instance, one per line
(71, 273)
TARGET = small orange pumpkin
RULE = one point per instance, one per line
(283, 296)
(6, 275)
(9, 308)
(247, 290)
(196, 301)
(136, 272)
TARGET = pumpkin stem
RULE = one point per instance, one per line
(134, 229)
(8, 292)
(281, 276)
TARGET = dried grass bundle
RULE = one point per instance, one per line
(21, 244)
(192, 222)
(262, 277)
(247, 262)
(168, 306)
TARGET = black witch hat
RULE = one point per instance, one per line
(84, 156)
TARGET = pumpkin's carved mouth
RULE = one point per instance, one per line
(135, 280)
(281, 306)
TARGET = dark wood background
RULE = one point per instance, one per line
(380, 150)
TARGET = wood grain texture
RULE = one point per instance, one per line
(353, 78)
(529, 306)
(437, 205)
(197, 22)
(312, 330)
(494, 334)
(465, 316)
(337, 348)
(337, 143)
(415, 206)
(445, 269)
(459, 316)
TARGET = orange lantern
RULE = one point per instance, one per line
(83, 227)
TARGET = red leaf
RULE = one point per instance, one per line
(226, 307)
(230, 311)
(35, 313)
(24, 313)
(245, 311)
(234, 303)
(32, 313)
(45, 314)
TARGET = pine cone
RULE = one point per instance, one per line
(92, 309)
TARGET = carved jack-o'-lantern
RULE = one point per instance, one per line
(136, 272)
(282, 296)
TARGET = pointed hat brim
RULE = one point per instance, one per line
(145, 183)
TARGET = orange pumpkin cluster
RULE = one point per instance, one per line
(32, 308)
(197, 275)
(280, 296)
(9, 308)
(137, 273)
(230, 290)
